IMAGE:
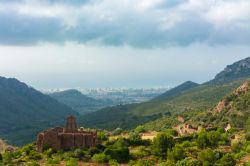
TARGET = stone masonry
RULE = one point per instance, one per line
(67, 138)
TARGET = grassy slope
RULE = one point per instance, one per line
(129, 116)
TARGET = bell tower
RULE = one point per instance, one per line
(71, 125)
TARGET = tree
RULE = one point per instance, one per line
(140, 129)
(188, 161)
(213, 138)
(207, 157)
(135, 139)
(102, 136)
(161, 144)
(142, 163)
(100, 158)
(202, 140)
(227, 160)
(71, 162)
(121, 154)
(177, 153)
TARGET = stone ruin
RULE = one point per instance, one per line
(186, 128)
(67, 138)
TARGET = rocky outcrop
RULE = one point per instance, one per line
(238, 70)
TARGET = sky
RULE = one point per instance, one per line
(120, 43)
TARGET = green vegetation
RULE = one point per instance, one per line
(25, 111)
(195, 99)
(186, 97)
(235, 112)
(206, 148)
(80, 102)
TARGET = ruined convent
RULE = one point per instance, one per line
(67, 138)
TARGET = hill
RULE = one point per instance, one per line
(238, 70)
(25, 111)
(80, 102)
(188, 97)
(199, 98)
(176, 91)
(234, 109)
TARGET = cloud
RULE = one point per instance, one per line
(138, 23)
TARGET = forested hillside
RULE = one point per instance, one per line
(25, 111)
(80, 102)
(234, 109)
(186, 97)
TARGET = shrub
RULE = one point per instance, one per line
(171, 132)
(49, 152)
(78, 153)
(211, 139)
(34, 155)
(140, 129)
(142, 163)
(72, 162)
(227, 160)
(247, 136)
(207, 157)
(113, 162)
(100, 158)
(237, 147)
(33, 163)
(188, 161)
(117, 131)
(135, 139)
(167, 163)
(177, 153)
(1, 157)
(121, 154)
(186, 144)
(202, 140)
(52, 162)
(142, 152)
(93, 150)
(7, 157)
(161, 144)
(121, 142)
(102, 136)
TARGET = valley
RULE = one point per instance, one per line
(191, 124)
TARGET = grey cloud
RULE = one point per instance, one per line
(130, 27)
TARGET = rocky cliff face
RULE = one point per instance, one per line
(238, 70)
(229, 102)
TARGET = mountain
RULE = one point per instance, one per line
(199, 98)
(177, 90)
(25, 111)
(238, 70)
(233, 109)
(188, 97)
(80, 102)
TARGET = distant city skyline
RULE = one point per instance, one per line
(121, 43)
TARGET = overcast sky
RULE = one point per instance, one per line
(120, 43)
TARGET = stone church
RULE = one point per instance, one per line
(67, 138)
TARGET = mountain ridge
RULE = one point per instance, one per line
(25, 111)
(176, 90)
(237, 70)
(197, 98)
(80, 102)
